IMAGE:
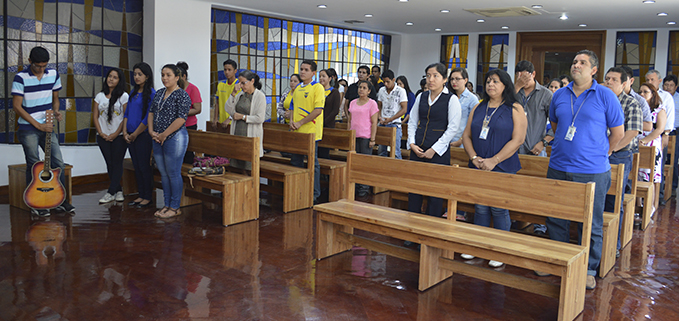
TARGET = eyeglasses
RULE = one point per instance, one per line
(456, 79)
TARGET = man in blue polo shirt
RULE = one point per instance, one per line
(36, 90)
(581, 115)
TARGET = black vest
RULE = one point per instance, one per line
(433, 120)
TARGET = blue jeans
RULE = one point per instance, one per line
(169, 158)
(298, 161)
(30, 140)
(482, 215)
(675, 174)
(559, 229)
(624, 158)
(382, 149)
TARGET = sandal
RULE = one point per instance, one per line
(170, 213)
(161, 212)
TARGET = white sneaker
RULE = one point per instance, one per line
(107, 198)
(494, 263)
(120, 197)
(467, 256)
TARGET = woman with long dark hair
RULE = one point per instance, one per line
(327, 78)
(457, 85)
(402, 82)
(167, 117)
(283, 109)
(137, 137)
(654, 137)
(107, 115)
(248, 109)
(495, 130)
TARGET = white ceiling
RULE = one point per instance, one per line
(390, 16)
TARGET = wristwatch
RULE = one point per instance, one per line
(545, 142)
(475, 157)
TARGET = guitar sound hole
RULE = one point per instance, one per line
(45, 175)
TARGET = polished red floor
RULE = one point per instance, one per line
(110, 262)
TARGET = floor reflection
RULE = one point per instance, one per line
(113, 262)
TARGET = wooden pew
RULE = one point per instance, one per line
(646, 190)
(440, 238)
(668, 169)
(537, 166)
(629, 204)
(333, 138)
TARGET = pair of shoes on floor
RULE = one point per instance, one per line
(168, 212)
(591, 282)
(40, 213)
(491, 263)
(66, 208)
(107, 198)
(142, 205)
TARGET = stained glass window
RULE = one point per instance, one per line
(637, 51)
(454, 50)
(85, 38)
(493, 54)
(673, 55)
(274, 49)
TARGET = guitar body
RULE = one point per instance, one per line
(45, 191)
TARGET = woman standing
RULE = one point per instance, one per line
(495, 130)
(332, 103)
(653, 138)
(109, 108)
(167, 117)
(196, 104)
(364, 115)
(555, 84)
(456, 84)
(135, 133)
(248, 109)
(433, 122)
(402, 82)
(284, 106)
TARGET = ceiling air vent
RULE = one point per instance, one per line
(504, 12)
(353, 21)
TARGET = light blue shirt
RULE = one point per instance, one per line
(676, 105)
(467, 102)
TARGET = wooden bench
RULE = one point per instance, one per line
(440, 238)
(646, 190)
(17, 184)
(629, 204)
(334, 139)
(668, 168)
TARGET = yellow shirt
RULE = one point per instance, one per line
(305, 99)
(223, 92)
(286, 104)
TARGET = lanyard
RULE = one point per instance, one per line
(575, 114)
(486, 119)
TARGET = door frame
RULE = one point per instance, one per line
(532, 46)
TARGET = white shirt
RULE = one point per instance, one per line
(118, 113)
(391, 102)
(668, 102)
(454, 115)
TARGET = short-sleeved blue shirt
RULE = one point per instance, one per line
(135, 109)
(587, 153)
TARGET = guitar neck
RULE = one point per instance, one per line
(49, 115)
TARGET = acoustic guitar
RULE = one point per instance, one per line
(45, 191)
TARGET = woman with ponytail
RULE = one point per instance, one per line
(137, 137)
(107, 115)
(247, 107)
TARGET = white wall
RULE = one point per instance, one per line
(415, 53)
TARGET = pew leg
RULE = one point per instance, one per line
(648, 207)
(327, 242)
(298, 192)
(627, 223)
(572, 294)
(337, 183)
(430, 272)
(609, 245)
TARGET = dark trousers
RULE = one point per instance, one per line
(188, 157)
(363, 147)
(435, 206)
(113, 152)
(140, 151)
(624, 158)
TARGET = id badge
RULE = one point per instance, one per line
(570, 133)
(484, 132)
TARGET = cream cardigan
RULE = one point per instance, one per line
(256, 117)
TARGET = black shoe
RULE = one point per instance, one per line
(66, 207)
(41, 213)
(133, 203)
(140, 205)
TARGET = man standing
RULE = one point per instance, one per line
(670, 86)
(623, 151)
(352, 92)
(535, 99)
(645, 109)
(35, 91)
(653, 77)
(393, 103)
(581, 114)
(224, 89)
(307, 105)
(375, 77)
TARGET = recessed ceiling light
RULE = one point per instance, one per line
(480, 20)
(437, 29)
(671, 23)
(409, 23)
(402, 0)
(536, 6)
(322, 6)
(662, 14)
(648, 1)
(367, 15)
(445, 11)
(582, 25)
(563, 16)
(505, 27)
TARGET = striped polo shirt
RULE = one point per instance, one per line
(37, 94)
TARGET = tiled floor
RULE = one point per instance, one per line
(111, 262)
